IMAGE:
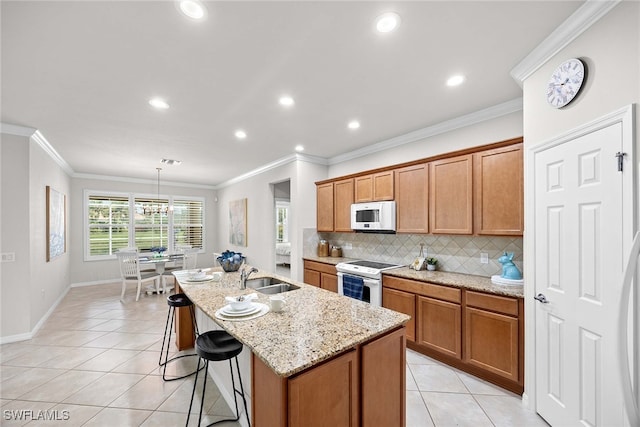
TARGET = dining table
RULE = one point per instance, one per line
(159, 262)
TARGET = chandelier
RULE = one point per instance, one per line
(157, 208)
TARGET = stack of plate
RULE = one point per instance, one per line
(248, 311)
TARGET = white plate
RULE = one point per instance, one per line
(228, 311)
(262, 310)
(202, 279)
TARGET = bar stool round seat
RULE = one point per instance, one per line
(179, 300)
(217, 346)
(176, 301)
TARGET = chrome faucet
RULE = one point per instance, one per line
(244, 276)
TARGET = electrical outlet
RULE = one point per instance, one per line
(484, 258)
(8, 256)
(347, 246)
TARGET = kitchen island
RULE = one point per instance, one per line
(324, 360)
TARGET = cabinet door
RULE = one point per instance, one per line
(329, 282)
(363, 189)
(403, 302)
(311, 277)
(451, 195)
(439, 326)
(499, 206)
(324, 207)
(326, 395)
(383, 186)
(343, 198)
(412, 201)
(491, 342)
(383, 392)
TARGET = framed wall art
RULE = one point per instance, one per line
(238, 222)
(56, 223)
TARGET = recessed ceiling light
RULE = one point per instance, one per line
(240, 134)
(286, 101)
(192, 8)
(299, 148)
(171, 162)
(353, 124)
(158, 103)
(455, 80)
(387, 22)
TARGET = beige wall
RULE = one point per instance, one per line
(258, 190)
(31, 286)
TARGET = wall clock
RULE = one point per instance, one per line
(565, 82)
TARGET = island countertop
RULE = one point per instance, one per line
(315, 324)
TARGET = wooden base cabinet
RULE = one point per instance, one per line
(403, 302)
(364, 386)
(439, 326)
(326, 395)
(321, 275)
(477, 332)
(492, 334)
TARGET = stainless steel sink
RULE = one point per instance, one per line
(276, 289)
(270, 285)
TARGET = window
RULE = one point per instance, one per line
(108, 224)
(282, 221)
(187, 223)
(117, 221)
(151, 223)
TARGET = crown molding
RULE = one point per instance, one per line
(583, 18)
(38, 138)
(48, 148)
(10, 129)
(447, 126)
(140, 181)
(273, 165)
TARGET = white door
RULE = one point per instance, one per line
(578, 269)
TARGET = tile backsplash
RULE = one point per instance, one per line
(458, 254)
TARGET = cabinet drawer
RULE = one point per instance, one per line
(320, 266)
(423, 288)
(499, 304)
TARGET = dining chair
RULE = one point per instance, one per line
(130, 271)
(188, 261)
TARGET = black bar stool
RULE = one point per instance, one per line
(218, 346)
(175, 301)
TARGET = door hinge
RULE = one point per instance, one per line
(620, 155)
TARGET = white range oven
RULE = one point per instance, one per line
(371, 274)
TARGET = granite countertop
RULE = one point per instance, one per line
(458, 280)
(315, 324)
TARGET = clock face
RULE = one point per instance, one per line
(565, 83)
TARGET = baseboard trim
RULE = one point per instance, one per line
(29, 335)
(95, 282)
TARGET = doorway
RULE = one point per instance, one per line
(283, 232)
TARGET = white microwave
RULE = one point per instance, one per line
(378, 217)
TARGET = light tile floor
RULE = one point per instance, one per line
(95, 363)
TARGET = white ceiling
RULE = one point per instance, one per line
(83, 72)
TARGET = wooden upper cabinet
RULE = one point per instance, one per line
(499, 187)
(451, 195)
(324, 207)
(343, 198)
(374, 187)
(412, 201)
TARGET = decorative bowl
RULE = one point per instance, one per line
(230, 261)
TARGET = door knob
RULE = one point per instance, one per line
(541, 298)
